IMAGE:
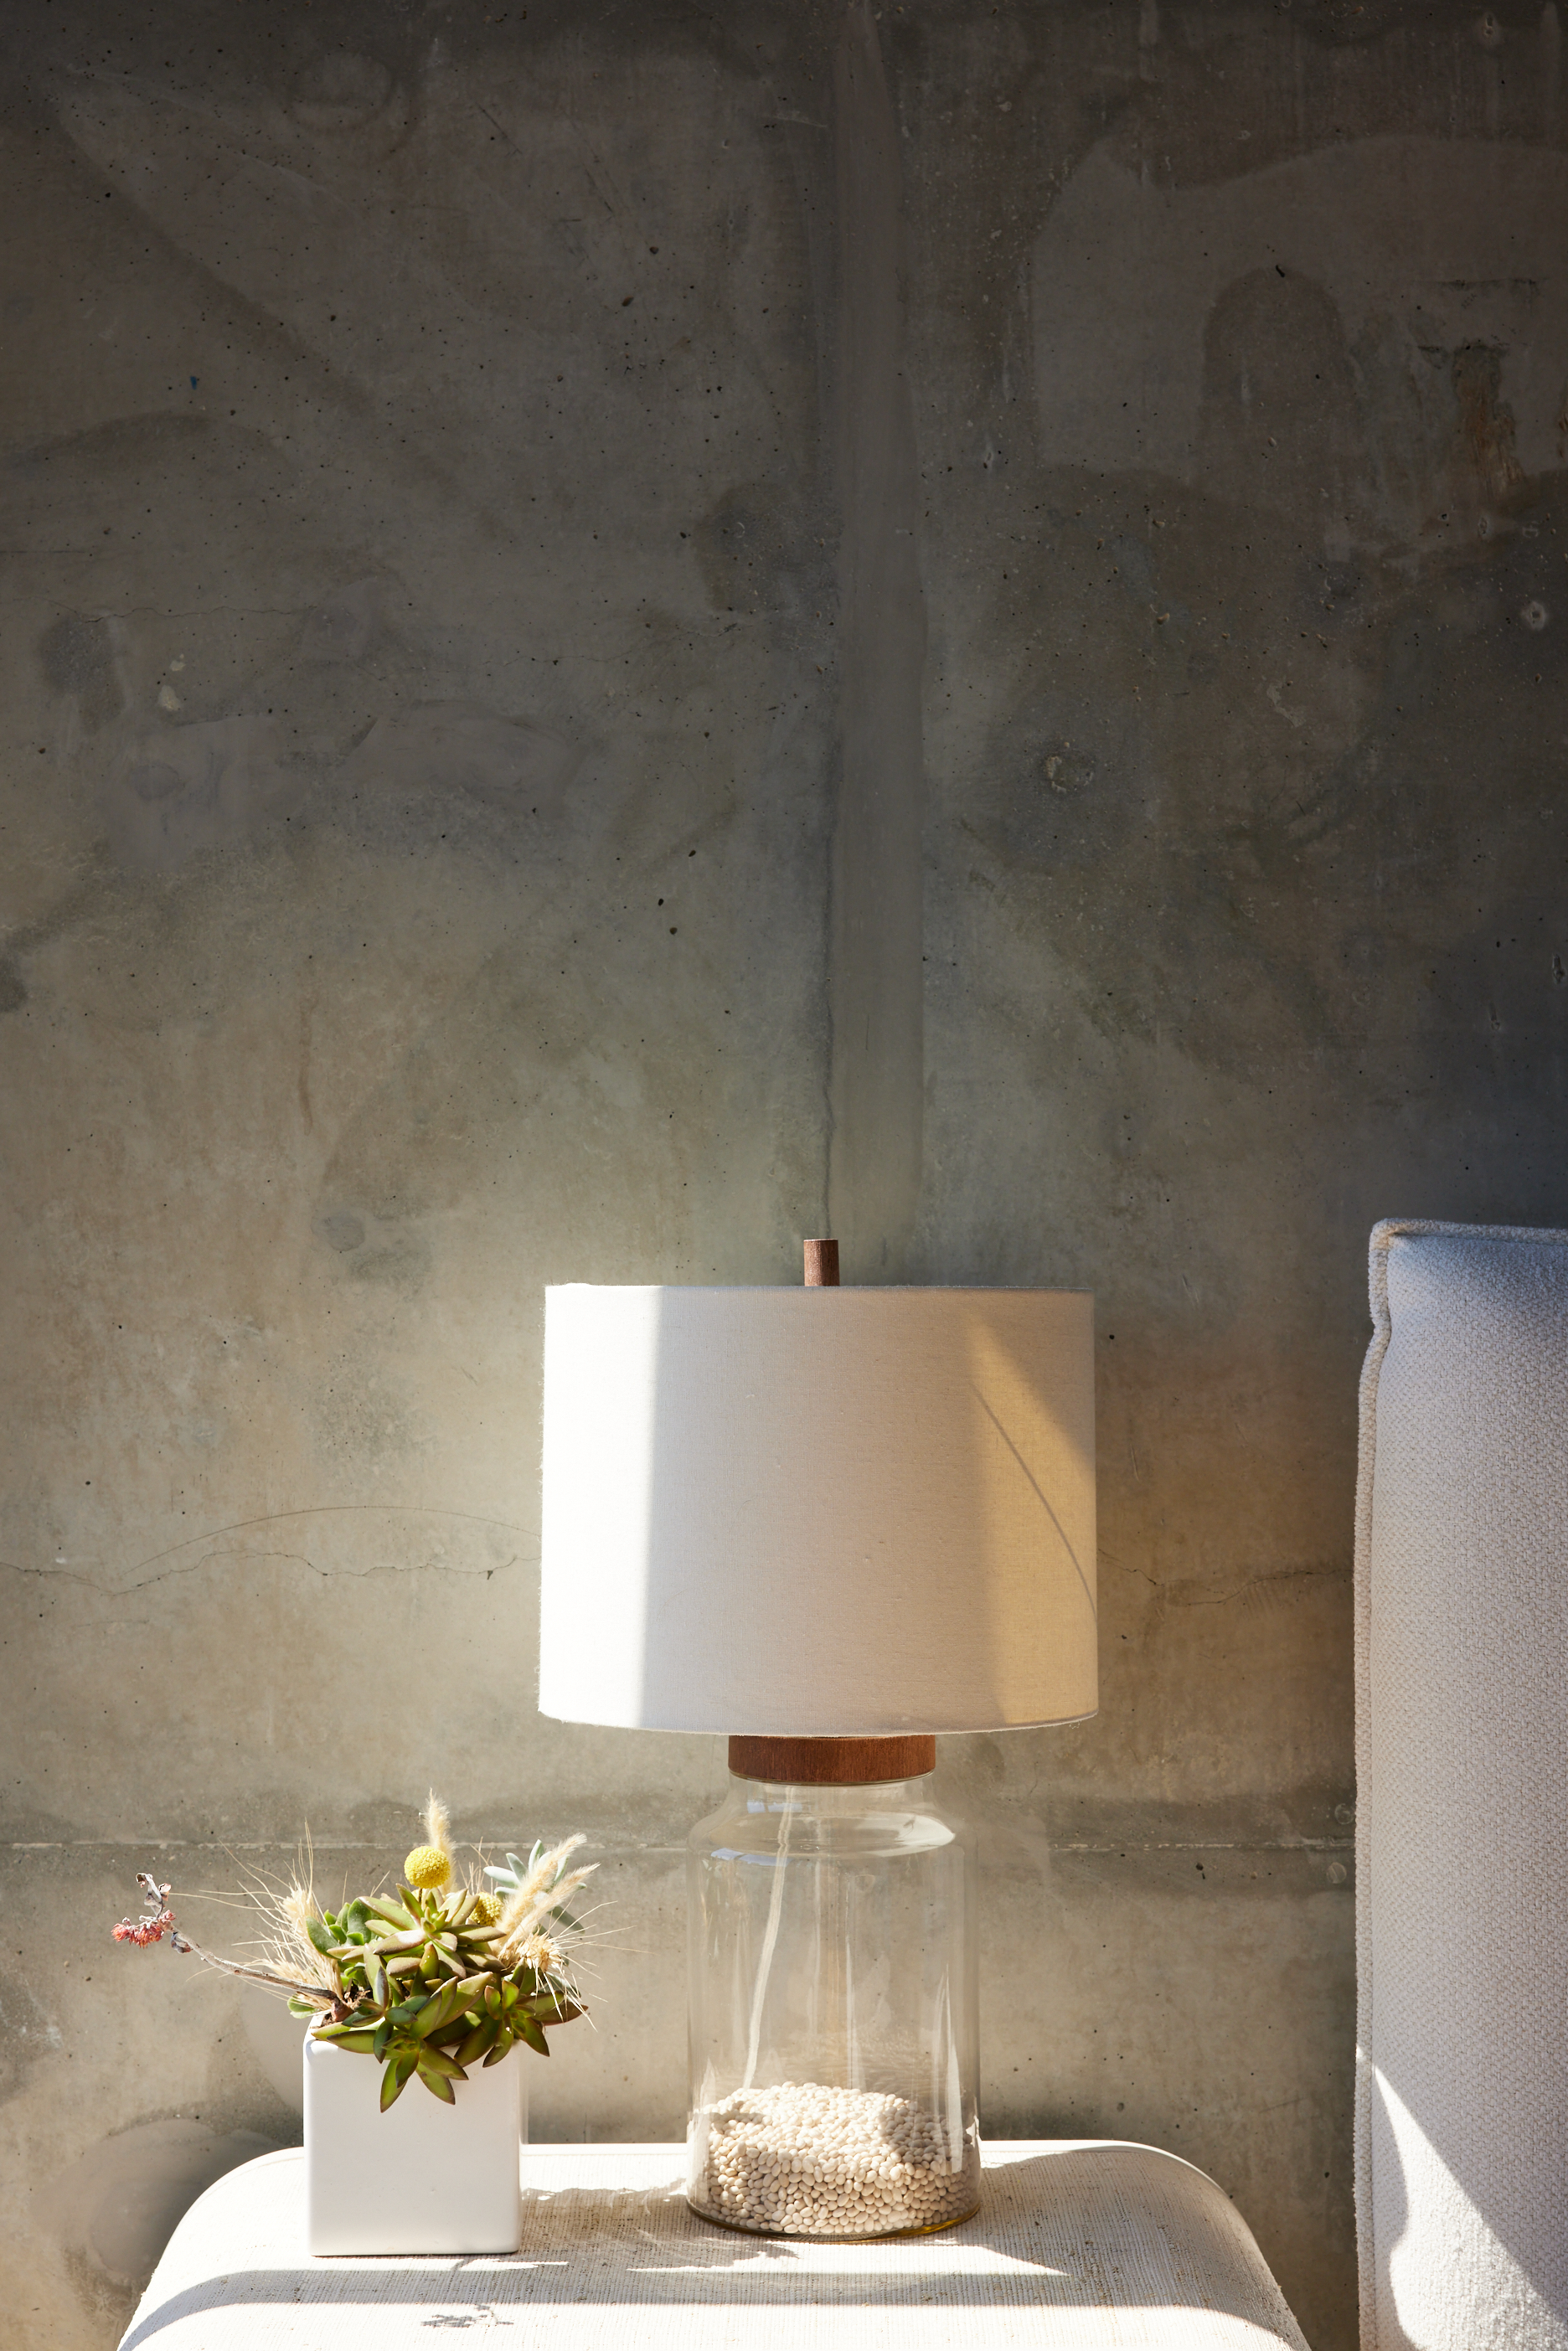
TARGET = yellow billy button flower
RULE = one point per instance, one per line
(427, 1868)
(486, 1911)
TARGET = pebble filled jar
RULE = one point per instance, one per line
(833, 2023)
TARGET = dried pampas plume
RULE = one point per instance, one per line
(540, 1879)
(539, 1894)
(285, 1914)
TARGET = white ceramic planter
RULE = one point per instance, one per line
(424, 2178)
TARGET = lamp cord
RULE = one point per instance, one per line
(770, 1943)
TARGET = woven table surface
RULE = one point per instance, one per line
(1092, 2245)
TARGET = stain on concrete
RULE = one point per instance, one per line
(510, 764)
(342, 91)
(27, 2036)
(1486, 427)
(759, 552)
(1410, 238)
(76, 656)
(341, 1229)
(345, 624)
(174, 791)
(1280, 422)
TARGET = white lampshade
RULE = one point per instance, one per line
(818, 1513)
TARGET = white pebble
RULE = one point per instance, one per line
(801, 2159)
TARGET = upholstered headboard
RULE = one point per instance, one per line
(1462, 1808)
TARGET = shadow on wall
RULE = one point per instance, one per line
(117, 2208)
(277, 2043)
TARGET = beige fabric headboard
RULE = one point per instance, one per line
(1462, 1805)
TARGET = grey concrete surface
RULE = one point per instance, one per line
(632, 632)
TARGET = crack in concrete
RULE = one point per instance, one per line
(281, 1518)
(1170, 1594)
(300, 1559)
(204, 611)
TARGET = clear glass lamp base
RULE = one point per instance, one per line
(833, 2026)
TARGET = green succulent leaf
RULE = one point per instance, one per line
(438, 2062)
(478, 2041)
(528, 2029)
(553, 2011)
(503, 2040)
(393, 2076)
(448, 2005)
(438, 2086)
(347, 2036)
(392, 1912)
(437, 2013)
(380, 1989)
(321, 1934)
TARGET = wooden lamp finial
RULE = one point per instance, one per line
(822, 1265)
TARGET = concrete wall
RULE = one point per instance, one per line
(630, 631)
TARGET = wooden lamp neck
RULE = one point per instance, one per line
(832, 1762)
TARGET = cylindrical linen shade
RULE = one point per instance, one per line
(818, 1513)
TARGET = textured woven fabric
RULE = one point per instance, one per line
(1462, 1812)
(1078, 2247)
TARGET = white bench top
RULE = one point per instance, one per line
(1088, 2245)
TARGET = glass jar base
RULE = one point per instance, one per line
(806, 2159)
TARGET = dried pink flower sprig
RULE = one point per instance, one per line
(156, 1921)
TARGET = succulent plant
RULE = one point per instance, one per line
(430, 1988)
(430, 1979)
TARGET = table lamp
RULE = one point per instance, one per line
(831, 1523)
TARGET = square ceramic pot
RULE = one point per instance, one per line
(424, 2178)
